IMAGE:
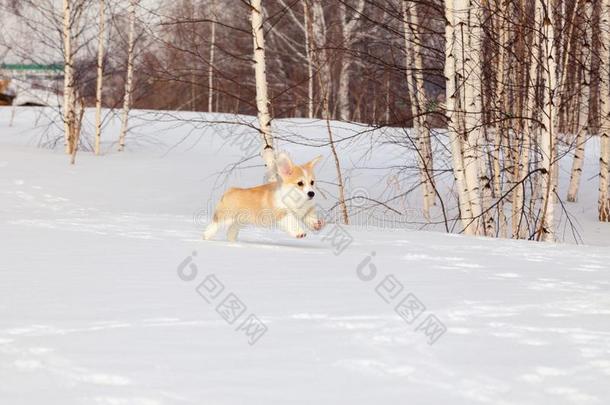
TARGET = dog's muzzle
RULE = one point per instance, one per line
(311, 194)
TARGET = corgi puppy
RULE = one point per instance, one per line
(285, 203)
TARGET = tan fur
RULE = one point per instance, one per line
(271, 204)
(250, 203)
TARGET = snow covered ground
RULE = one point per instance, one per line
(109, 296)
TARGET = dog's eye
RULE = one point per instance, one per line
(301, 184)
(312, 182)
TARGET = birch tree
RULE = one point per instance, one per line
(349, 35)
(502, 105)
(583, 107)
(470, 32)
(79, 112)
(308, 54)
(546, 230)
(604, 158)
(318, 36)
(129, 75)
(100, 78)
(462, 71)
(262, 98)
(69, 84)
(211, 58)
(304, 25)
(531, 129)
(73, 104)
(415, 84)
(454, 125)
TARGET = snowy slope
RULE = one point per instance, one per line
(223, 149)
(102, 299)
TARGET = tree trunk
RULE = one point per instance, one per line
(501, 107)
(546, 229)
(415, 83)
(348, 32)
(530, 131)
(308, 53)
(388, 99)
(262, 98)
(584, 97)
(100, 78)
(318, 38)
(79, 111)
(454, 126)
(604, 158)
(343, 92)
(333, 148)
(211, 61)
(72, 119)
(129, 79)
(69, 98)
(318, 58)
(472, 106)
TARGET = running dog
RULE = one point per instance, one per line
(285, 203)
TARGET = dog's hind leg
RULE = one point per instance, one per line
(211, 230)
(217, 222)
(232, 232)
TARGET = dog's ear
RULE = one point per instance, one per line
(313, 162)
(284, 165)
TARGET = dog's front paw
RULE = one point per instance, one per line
(301, 235)
(319, 224)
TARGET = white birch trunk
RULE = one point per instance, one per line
(583, 105)
(343, 92)
(501, 105)
(100, 78)
(348, 32)
(211, 61)
(604, 158)
(388, 99)
(546, 230)
(262, 98)
(519, 229)
(579, 152)
(415, 83)
(472, 107)
(308, 54)
(318, 38)
(193, 9)
(333, 148)
(129, 79)
(454, 126)
(79, 111)
(69, 113)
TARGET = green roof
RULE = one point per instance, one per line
(32, 66)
